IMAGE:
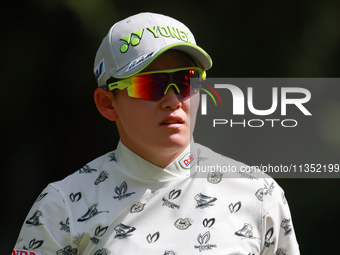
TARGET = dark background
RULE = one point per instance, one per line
(50, 126)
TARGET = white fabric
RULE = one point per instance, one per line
(122, 204)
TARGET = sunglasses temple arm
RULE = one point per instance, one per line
(118, 85)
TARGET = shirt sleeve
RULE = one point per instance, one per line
(46, 229)
(278, 235)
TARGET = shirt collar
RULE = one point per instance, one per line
(135, 166)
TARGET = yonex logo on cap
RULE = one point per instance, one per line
(135, 38)
(134, 42)
(167, 32)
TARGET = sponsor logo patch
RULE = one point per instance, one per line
(25, 252)
(99, 70)
(187, 161)
(140, 60)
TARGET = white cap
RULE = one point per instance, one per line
(133, 43)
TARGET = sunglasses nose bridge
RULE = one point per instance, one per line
(175, 88)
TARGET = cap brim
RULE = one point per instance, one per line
(197, 53)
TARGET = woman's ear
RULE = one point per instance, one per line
(104, 102)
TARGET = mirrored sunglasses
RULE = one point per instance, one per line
(154, 85)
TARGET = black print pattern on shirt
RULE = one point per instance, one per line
(283, 197)
(68, 250)
(286, 225)
(200, 158)
(203, 242)
(204, 201)
(98, 233)
(233, 208)
(169, 253)
(214, 177)
(112, 156)
(40, 197)
(139, 206)
(183, 224)
(34, 220)
(34, 244)
(246, 231)
(153, 238)
(267, 189)
(75, 197)
(103, 251)
(259, 194)
(281, 251)
(102, 177)
(65, 226)
(247, 175)
(208, 223)
(172, 195)
(123, 231)
(19, 240)
(268, 236)
(121, 191)
(91, 212)
(87, 170)
(77, 238)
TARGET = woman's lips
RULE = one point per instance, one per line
(172, 120)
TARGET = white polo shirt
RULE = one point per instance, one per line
(122, 204)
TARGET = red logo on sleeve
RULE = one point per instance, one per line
(24, 252)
